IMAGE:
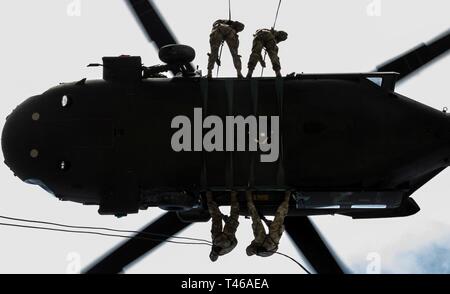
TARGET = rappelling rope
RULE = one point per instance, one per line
(220, 57)
(276, 16)
(273, 27)
(221, 46)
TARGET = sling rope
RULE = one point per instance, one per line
(273, 28)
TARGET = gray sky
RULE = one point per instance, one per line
(42, 45)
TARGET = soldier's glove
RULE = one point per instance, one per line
(263, 63)
(218, 62)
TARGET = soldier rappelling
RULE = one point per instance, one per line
(225, 31)
(268, 40)
(223, 238)
(265, 245)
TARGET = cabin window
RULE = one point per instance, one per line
(65, 101)
(376, 80)
(64, 165)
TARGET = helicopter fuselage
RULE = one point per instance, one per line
(345, 144)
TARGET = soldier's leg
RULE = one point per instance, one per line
(215, 41)
(272, 51)
(276, 228)
(233, 221)
(255, 56)
(233, 45)
(216, 216)
(258, 228)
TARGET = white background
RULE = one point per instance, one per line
(42, 45)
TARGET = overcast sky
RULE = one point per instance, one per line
(44, 43)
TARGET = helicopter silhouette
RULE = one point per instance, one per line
(348, 143)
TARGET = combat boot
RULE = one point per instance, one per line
(278, 74)
(209, 76)
(250, 73)
(239, 75)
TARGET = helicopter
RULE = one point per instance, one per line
(349, 144)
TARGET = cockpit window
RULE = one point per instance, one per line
(34, 153)
(35, 116)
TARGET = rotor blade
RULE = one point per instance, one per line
(413, 60)
(153, 24)
(309, 242)
(114, 262)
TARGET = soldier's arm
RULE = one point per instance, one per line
(237, 26)
(220, 21)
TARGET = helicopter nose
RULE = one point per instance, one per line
(20, 140)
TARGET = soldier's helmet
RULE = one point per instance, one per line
(238, 26)
(281, 36)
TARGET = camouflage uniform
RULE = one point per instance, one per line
(266, 39)
(225, 31)
(266, 244)
(224, 241)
